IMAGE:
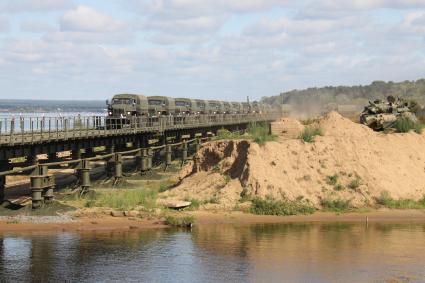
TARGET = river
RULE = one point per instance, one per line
(298, 252)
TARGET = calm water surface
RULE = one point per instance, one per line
(223, 253)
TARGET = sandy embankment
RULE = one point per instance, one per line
(291, 168)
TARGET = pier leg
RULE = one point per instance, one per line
(76, 154)
(149, 159)
(36, 191)
(85, 177)
(51, 157)
(143, 161)
(198, 144)
(167, 156)
(118, 166)
(184, 152)
(2, 188)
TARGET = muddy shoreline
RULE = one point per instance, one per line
(109, 223)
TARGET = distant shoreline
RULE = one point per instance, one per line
(109, 223)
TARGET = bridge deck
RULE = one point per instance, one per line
(24, 131)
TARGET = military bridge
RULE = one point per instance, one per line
(98, 138)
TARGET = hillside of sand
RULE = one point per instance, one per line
(350, 162)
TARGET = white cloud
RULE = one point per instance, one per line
(17, 6)
(87, 19)
(36, 26)
(4, 24)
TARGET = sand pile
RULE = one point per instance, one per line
(364, 162)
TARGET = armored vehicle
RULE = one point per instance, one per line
(380, 115)
(161, 105)
(127, 105)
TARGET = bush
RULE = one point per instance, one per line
(310, 132)
(260, 133)
(336, 205)
(419, 128)
(275, 207)
(332, 180)
(354, 184)
(386, 200)
(185, 221)
(404, 125)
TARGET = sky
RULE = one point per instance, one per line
(210, 49)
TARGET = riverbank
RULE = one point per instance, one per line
(109, 223)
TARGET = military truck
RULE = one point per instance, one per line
(127, 105)
(214, 107)
(380, 115)
(237, 108)
(161, 105)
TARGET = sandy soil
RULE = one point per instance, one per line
(291, 168)
(105, 223)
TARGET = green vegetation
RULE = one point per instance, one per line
(358, 95)
(123, 199)
(354, 184)
(332, 180)
(404, 125)
(260, 133)
(224, 134)
(339, 187)
(276, 207)
(310, 132)
(183, 221)
(336, 205)
(386, 200)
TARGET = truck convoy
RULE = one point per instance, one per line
(130, 105)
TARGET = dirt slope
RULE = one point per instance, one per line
(222, 171)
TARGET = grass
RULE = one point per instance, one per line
(123, 199)
(336, 205)
(260, 133)
(277, 207)
(310, 132)
(386, 200)
(354, 184)
(332, 180)
(183, 221)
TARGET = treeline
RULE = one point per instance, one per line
(315, 98)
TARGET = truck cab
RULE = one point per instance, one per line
(127, 105)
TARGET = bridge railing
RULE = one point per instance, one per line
(36, 129)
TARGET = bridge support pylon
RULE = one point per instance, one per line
(84, 174)
(2, 188)
(184, 152)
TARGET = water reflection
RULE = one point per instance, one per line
(297, 252)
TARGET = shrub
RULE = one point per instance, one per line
(336, 205)
(332, 180)
(275, 207)
(310, 132)
(338, 187)
(419, 128)
(194, 204)
(404, 124)
(386, 200)
(185, 221)
(354, 184)
(260, 133)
